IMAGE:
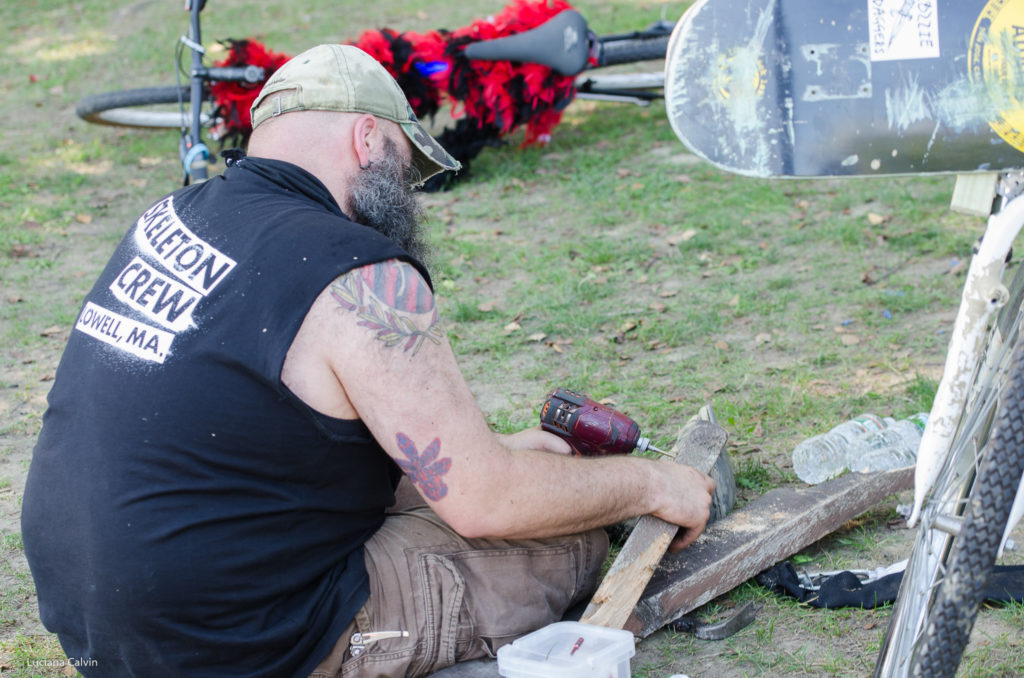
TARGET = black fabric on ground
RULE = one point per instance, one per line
(845, 589)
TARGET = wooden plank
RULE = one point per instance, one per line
(754, 538)
(699, 444)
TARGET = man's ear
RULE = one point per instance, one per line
(364, 138)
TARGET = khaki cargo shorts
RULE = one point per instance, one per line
(437, 599)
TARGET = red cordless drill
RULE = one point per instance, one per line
(592, 429)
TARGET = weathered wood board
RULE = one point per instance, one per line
(754, 538)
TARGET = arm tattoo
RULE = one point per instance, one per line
(391, 299)
(424, 468)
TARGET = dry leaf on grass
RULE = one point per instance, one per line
(677, 238)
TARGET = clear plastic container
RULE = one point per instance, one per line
(568, 650)
(824, 456)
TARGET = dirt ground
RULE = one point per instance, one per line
(43, 286)
(774, 644)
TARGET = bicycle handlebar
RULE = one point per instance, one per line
(248, 74)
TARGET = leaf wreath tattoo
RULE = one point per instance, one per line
(388, 298)
(424, 468)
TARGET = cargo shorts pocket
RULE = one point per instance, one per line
(430, 608)
(443, 590)
(511, 592)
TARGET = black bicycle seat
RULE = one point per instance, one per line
(562, 43)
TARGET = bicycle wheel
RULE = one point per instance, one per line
(962, 525)
(149, 107)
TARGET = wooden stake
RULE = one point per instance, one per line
(699, 444)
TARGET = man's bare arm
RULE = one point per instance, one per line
(377, 330)
(393, 301)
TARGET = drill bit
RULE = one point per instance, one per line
(644, 444)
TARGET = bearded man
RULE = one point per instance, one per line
(213, 492)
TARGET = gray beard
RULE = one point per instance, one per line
(382, 198)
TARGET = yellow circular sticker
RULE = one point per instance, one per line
(996, 57)
(739, 73)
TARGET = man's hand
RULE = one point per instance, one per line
(535, 438)
(688, 497)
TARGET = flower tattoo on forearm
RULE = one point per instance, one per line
(393, 300)
(424, 468)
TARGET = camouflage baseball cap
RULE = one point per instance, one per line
(347, 79)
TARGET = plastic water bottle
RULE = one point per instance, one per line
(824, 456)
(895, 446)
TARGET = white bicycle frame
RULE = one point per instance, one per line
(976, 369)
(983, 295)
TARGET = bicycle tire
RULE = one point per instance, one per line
(955, 607)
(147, 107)
(628, 51)
(944, 582)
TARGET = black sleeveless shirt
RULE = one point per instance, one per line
(185, 513)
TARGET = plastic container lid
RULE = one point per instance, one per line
(568, 650)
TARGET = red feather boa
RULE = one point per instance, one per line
(233, 100)
(432, 72)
